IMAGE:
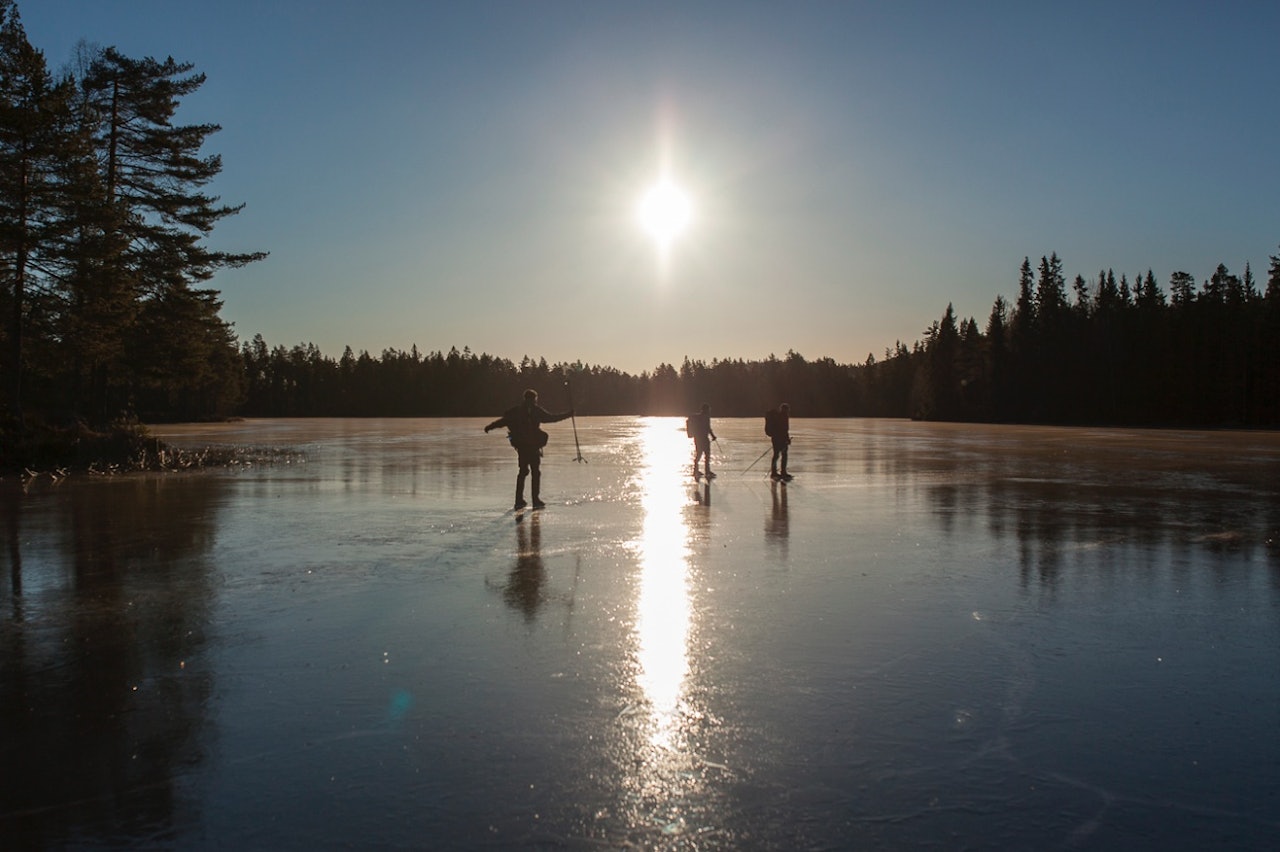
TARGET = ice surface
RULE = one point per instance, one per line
(937, 635)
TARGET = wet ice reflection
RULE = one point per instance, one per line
(523, 590)
(658, 781)
(662, 620)
(1008, 637)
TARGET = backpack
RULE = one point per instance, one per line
(522, 429)
(771, 422)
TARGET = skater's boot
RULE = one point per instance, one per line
(537, 481)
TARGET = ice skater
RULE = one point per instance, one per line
(777, 425)
(698, 427)
(522, 424)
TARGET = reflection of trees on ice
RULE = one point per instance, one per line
(108, 624)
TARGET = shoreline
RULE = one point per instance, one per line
(38, 450)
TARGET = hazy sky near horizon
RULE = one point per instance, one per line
(466, 174)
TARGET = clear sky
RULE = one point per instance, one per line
(466, 174)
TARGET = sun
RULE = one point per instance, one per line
(665, 211)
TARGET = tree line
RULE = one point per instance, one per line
(1110, 352)
(103, 217)
(303, 382)
(1106, 352)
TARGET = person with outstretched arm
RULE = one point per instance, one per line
(522, 422)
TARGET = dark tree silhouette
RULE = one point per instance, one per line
(103, 221)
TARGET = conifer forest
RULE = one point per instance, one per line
(108, 312)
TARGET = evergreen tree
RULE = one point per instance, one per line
(1024, 312)
(972, 390)
(1150, 346)
(1023, 345)
(33, 111)
(155, 214)
(998, 359)
(937, 387)
(186, 355)
(1270, 403)
(1272, 294)
(1050, 296)
(1249, 289)
(1082, 304)
(1053, 357)
(1107, 294)
(1150, 297)
(1182, 289)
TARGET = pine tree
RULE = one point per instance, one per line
(1107, 293)
(998, 359)
(154, 214)
(1053, 341)
(1182, 289)
(1051, 296)
(188, 367)
(938, 396)
(1024, 313)
(1082, 305)
(1023, 346)
(1270, 406)
(33, 109)
(1272, 294)
(1149, 297)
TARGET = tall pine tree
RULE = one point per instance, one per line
(33, 111)
(155, 215)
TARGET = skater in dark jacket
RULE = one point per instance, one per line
(698, 427)
(777, 425)
(522, 423)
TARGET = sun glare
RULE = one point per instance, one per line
(665, 212)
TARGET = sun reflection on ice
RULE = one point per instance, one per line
(662, 606)
(662, 781)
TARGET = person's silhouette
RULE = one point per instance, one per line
(522, 422)
(777, 425)
(698, 427)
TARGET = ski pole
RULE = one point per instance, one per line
(757, 461)
(574, 420)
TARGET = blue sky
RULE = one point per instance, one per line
(466, 174)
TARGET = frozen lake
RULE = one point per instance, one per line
(940, 636)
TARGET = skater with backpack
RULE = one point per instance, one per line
(522, 422)
(698, 427)
(777, 425)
